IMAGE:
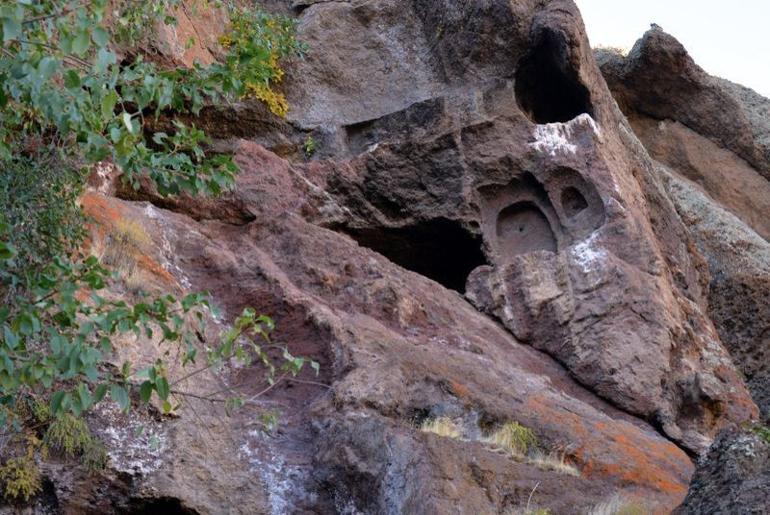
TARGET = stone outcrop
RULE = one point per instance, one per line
(710, 137)
(711, 165)
(733, 478)
(707, 129)
(479, 236)
(739, 292)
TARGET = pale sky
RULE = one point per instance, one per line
(730, 39)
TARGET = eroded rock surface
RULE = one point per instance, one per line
(707, 129)
(733, 478)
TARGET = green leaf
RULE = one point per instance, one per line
(85, 396)
(145, 391)
(100, 36)
(120, 395)
(56, 402)
(81, 42)
(161, 385)
(109, 100)
(104, 58)
(166, 407)
(128, 123)
(71, 79)
(100, 392)
(10, 338)
(11, 29)
(47, 67)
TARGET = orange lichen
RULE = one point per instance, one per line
(620, 450)
(108, 215)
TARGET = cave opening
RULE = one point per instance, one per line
(521, 228)
(547, 87)
(440, 249)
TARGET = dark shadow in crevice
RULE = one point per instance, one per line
(572, 201)
(547, 87)
(154, 505)
(439, 249)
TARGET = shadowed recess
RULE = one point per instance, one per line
(572, 201)
(547, 88)
(523, 228)
(439, 249)
(156, 505)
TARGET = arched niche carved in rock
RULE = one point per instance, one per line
(576, 200)
(522, 228)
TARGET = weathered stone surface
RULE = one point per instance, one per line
(712, 153)
(625, 307)
(733, 478)
(396, 349)
(659, 79)
(739, 293)
(724, 176)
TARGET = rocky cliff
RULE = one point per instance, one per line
(496, 226)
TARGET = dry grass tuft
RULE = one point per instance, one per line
(554, 461)
(124, 244)
(442, 426)
(513, 437)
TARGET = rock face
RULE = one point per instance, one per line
(659, 79)
(739, 293)
(721, 154)
(734, 477)
(710, 137)
(480, 236)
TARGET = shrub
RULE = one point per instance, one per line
(554, 461)
(123, 244)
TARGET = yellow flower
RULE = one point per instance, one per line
(275, 101)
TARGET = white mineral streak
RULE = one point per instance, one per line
(135, 444)
(558, 138)
(283, 481)
(588, 255)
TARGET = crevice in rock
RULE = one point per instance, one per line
(440, 249)
(547, 87)
(150, 506)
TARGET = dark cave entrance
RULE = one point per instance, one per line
(547, 88)
(154, 505)
(439, 249)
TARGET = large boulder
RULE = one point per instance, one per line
(707, 129)
(733, 478)
(659, 79)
